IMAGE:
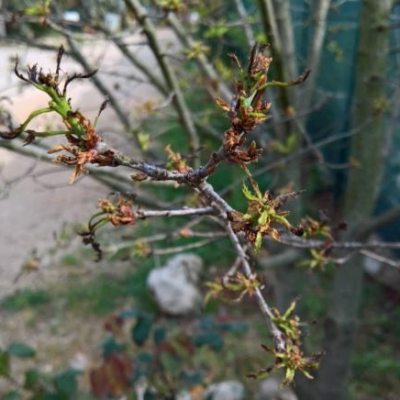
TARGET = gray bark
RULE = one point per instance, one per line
(320, 14)
(363, 186)
(2, 21)
(285, 29)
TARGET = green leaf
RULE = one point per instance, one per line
(262, 374)
(262, 220)
(149, 395)
(334, 47)
(192, 379)
(144, 140)
(130, 313)
(12, 395)
(289, 376)
(291, 142)
(235, 326)
(257, 245)
(21, 350)
(4, 363)
(180, 350)
(279, 147)
(248, 100)
(159, 335)
(212, 339)
(50, 396)
(32, 378)
(248, 217)
(141, 329)
(170, 363)
(39, 9)
(216, 31)
(290, 310)
(66, 383)
(111, 346)
(247, 193)
(144, 357)
(207, 323)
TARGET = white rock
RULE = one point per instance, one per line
(270, 389)
(372, 266)
(174, 286)
(79, 361)
(228, 390)
(183, 395)
(71, 16)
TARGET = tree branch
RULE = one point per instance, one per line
(277, 335)
(245, 23)
(315, 48)
(205, 66)
(169, 75)
(380, 221)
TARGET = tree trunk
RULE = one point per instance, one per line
(320, 13)
(2, 20)
(362, 190)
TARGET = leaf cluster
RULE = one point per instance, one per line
(140, 348)
(292, 358)
(36, 385)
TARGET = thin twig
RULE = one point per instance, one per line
(245, 23)
(179, 249)
(382, 259)
(204, 64)
(315, 48)
(278, 337)
(184, 212)
(78, 56)
(295, 241)
(378, 222)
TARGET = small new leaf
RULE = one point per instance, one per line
(248, 194)
(257, 245)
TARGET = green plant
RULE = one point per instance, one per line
(167, 357)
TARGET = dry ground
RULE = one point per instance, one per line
(35, 198)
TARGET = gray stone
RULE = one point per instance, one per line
(227, 390)
(174, 286)
(271, 389)
(80, 362)
(183, 395)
